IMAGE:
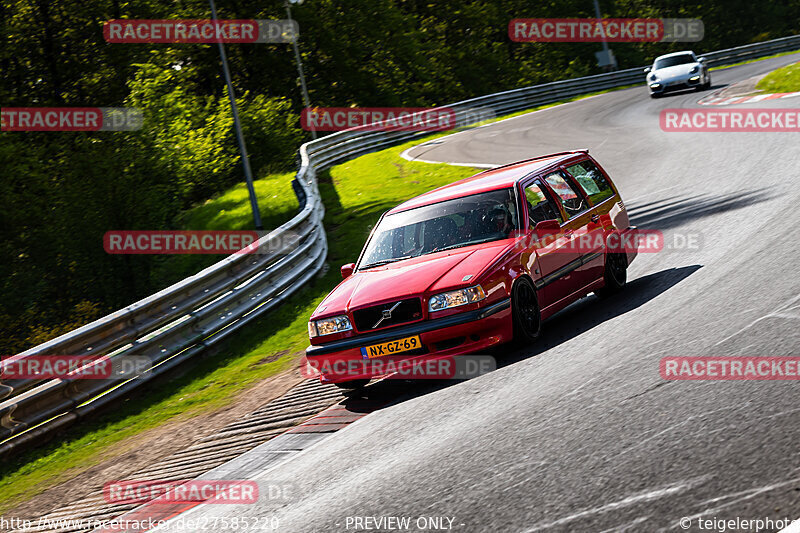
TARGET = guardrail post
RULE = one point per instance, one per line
(300, 193)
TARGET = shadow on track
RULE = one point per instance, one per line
(589, 312)
(572, 321)
(672, 212)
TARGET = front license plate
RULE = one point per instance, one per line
(392, 347)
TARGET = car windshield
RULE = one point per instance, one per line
(682, 59)
(473, 219)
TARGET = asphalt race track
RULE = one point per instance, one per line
(579, 432)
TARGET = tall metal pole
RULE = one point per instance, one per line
(248, 173)
(306, 100)
(605, 44)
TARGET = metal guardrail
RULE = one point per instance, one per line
(175, 324)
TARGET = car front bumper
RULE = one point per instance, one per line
(453, 335)
(687, 81)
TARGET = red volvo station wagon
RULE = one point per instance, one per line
(473, 264)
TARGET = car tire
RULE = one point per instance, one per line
(707, 84)
(615, 276)
(525, 314)
(352, 385)
(654, 95)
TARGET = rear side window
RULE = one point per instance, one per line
(539, 207)
(592, 180)
(571, 199)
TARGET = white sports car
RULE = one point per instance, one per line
(679, 70)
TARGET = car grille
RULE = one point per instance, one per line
(407, 311)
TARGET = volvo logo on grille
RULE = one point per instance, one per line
(386, 314)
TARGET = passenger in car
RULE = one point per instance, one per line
(440, 232)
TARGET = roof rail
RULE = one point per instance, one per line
(567, 152)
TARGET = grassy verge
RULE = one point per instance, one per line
(229, 211)
(355, 194)
(783, 80)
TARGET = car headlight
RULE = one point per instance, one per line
(653, 77)
(449, 299)
(326, 326)
(694, 69)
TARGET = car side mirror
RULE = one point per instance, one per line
(647, 70)
(547, 226)
(347, 270)
(702, 59)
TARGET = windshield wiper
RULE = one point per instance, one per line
(460, 244)
(385, 262)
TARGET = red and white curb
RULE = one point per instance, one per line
(733, 100)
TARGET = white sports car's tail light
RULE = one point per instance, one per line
(446, 300)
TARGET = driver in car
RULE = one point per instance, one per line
(499, 221)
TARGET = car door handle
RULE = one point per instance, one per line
(568, 233)
(595, 218)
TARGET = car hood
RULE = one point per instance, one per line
(412, 277)
(677, 70)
